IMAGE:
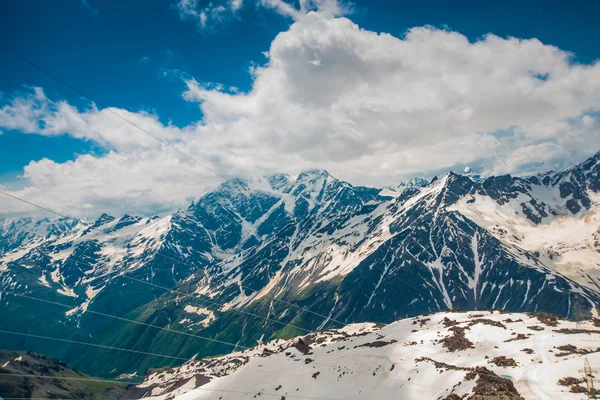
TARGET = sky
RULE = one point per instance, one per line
(373, 91)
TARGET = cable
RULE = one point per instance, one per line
(189, 265)
(91, 344)
(162, 328)
(202, 337)
(214, 303)
(150, 325)
(35, 205)
(266, 295)
(156, 326)
(181, 153)
(110, 110)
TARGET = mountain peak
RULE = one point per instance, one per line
(104, 218)
(454, 186)
(314, 173)
(413, 183)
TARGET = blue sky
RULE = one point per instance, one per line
(143, 56)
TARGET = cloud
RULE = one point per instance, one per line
(35, 113)
(87, 5)
(371, 108)
(381, 105)
(328, 8)
(146, 182)
(207, 15)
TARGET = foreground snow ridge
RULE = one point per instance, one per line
(448, 355)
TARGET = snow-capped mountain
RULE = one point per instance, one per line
(447, 355)
(395, 191)
(284, 254)
(17, 231)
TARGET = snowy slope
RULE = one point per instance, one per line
(395, 191)
(407, 359)
(17, 231)
(425, 237)
(567, 244)
(78, 261)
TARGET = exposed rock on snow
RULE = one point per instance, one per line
(405, 359)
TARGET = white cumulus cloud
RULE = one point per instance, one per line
(369, 107)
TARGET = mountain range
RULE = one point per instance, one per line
(277, 256)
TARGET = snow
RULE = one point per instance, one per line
(210, 316)
(127, 376)
(532, 375)
(389, 193)
(565, 243)
(66, 291)
(437, 268)
(349, 370)
(44, 281)
(334, 256)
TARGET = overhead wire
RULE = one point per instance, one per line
(31, 335)
(201, 337)
(163, 142)
(185, 294)
(164, 288)
(192, 266)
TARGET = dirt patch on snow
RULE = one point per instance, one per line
(546, 318)
(457, 341)
(491, 386)
(503, 361)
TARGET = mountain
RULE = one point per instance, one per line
(17, 231)
(27, 375)
(395, 191)
(282, 255)
(447, 355)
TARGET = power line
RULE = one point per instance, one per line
(175, 331)
(266, 295)
(214, 303)
(90, 344)
(162, 328)
(35, 205)
(202, 337)
(110, 110)
(163, 142)
(189, 265)
(150, 325)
